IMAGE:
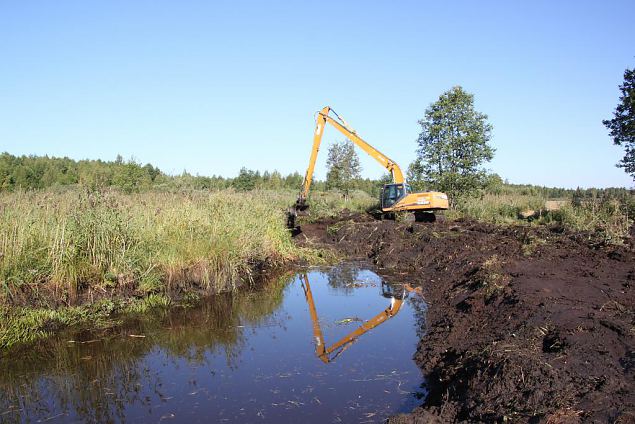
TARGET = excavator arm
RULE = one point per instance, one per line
(323, 117)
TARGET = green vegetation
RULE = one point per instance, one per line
(77, 255)
(453, 146)
(74, 243)
(324, 204)
(25, 324)
(73, 248)
(622, 126)
(343, 167)
(40, 172)
(607, 214)
(93, 239)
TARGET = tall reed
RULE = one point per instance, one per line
(609, 219)
(57, 246)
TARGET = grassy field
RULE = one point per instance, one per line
(73, 256)
(608, 219)
(58, 246)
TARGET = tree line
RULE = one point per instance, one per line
(41, 172)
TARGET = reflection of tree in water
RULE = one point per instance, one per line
(342, 278)
(98, 379)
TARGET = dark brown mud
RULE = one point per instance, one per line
(525, 324)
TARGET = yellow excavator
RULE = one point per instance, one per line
(395, 197)
(329, 353)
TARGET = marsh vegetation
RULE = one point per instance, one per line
(83, 241)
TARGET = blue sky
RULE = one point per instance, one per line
(212, 86)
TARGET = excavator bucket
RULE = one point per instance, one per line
(299, 208)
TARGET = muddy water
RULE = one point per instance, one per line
(261, 356)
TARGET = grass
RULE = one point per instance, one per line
(330, 203)
(22, 325)
(61, 253)
(56, 247)
(65, 254)
(608, 219)
(496, 208)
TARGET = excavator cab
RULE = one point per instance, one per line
(392, 193)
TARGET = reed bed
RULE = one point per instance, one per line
(605, 219)
(55, 247)
(77, 257)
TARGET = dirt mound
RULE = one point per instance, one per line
(528, 324)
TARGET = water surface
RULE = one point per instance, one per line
(261, 356)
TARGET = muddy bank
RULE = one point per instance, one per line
(40, 316)
(524, 324)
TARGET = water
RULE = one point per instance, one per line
(251, 357)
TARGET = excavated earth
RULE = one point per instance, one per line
(525, 323)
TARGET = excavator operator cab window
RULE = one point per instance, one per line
(391, 194)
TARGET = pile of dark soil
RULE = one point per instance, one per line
(525, 324)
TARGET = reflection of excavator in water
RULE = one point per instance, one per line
(395, 197)
(328, 354)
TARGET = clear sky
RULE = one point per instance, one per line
(212, 86)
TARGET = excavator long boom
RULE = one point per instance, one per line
(322, 118)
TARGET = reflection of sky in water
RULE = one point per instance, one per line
(246, 358)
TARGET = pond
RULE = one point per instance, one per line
(325, 345)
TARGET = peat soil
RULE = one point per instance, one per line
(525, 323)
